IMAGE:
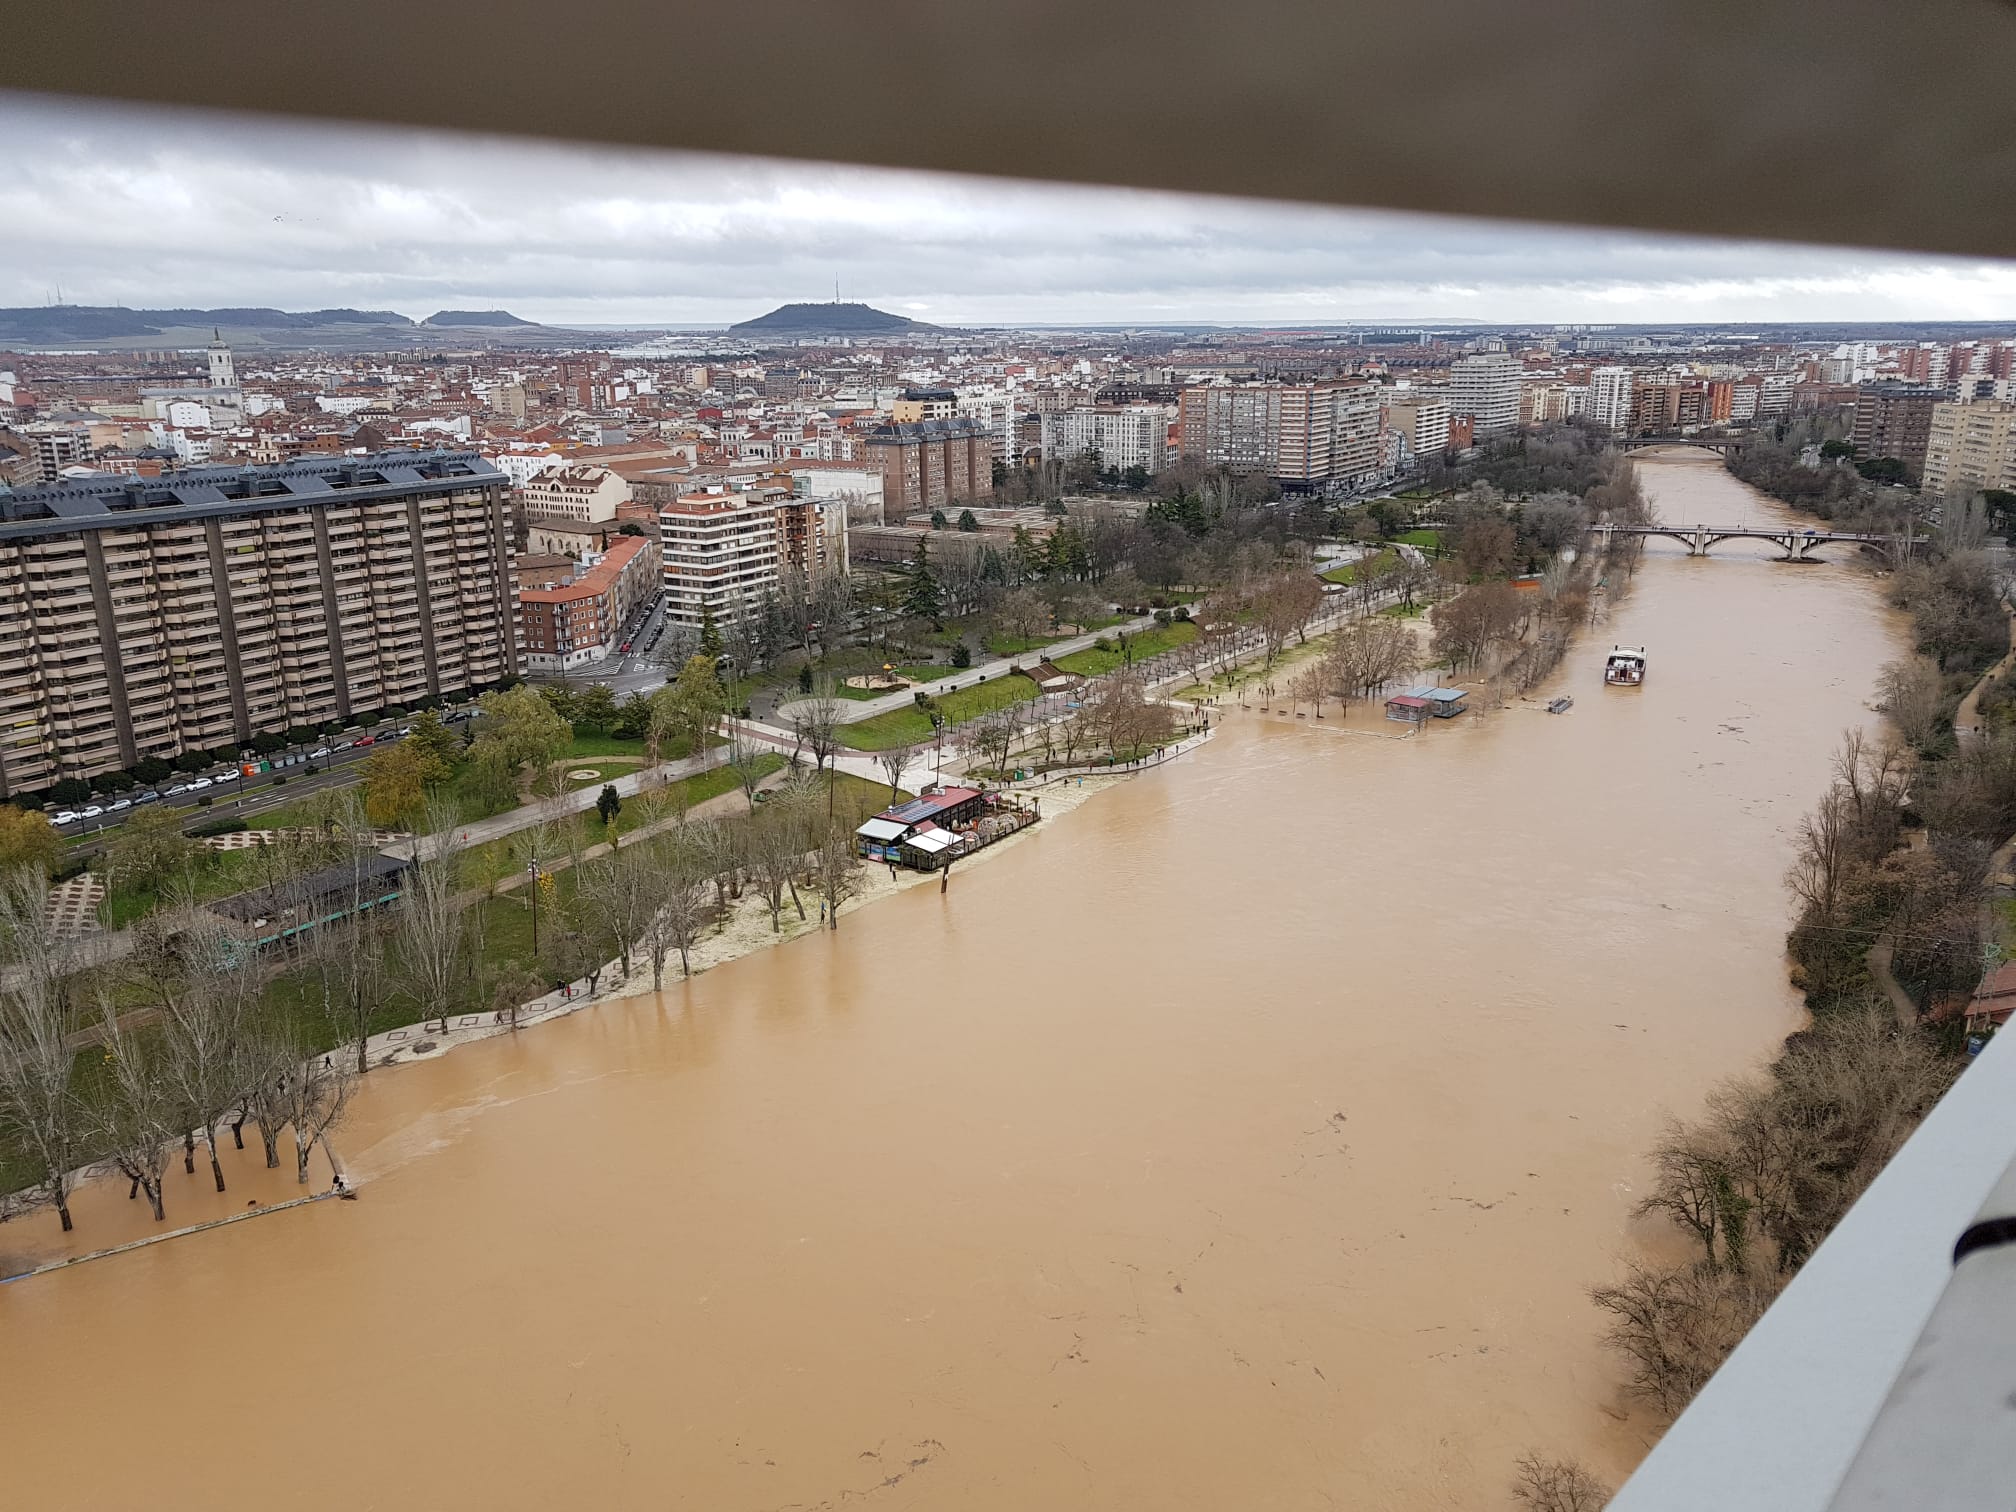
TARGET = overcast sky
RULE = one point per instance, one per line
(152, 208)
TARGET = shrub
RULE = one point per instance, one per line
(71, 790)
(204, 800)
(961, 657)
(279, 782)
(1181, 614)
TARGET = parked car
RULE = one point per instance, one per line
(346, 745)
(148, 797)
(201, 783)
(318, 753)
(626, 648)
(178, 790)
(364, 740)
(66, 816)
(117, 804)
(91, 812)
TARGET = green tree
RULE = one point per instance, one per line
(396, 777)
(560, 699)
(595, 708)
(805, 678)
(710, 635)
(690, 709)
(922, 598)
(26, 839)
(1837, 448)
(608, 804)
(938, 521)
(435, 741)
(968, 521)
(520, 729)
(633, 719)
(148, 850)
(76, 790)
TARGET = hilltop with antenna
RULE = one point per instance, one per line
(796, 321)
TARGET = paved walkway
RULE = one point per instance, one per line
(964, 677)
(1967, 718)
(72, 908)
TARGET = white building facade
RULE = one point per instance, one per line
(1485, 386)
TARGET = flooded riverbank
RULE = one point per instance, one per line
(1247, 1139)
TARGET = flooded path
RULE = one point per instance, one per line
(1247, 1139)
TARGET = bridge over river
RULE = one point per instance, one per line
(1799, 545)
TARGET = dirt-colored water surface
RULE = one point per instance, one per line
(1246, 1139)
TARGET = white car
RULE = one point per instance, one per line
(320, 753)
(177, 790)
(66, 816)
(200, 783)
(92, 812)
(117, 804)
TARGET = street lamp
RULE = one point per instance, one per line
(532, 868)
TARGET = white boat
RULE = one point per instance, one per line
(1626, 667)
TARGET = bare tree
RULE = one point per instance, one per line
(679, 878)
(39, 1111)
(617, 891)
(815, 721)
(776, 849)
(137, 1114)
(837, 864)
(1677, 1326)
(895, 761)
(433, 934)
(1546, 1485)
(200, 1031)
(315, 1094)
(264, 1067)
(745, 760)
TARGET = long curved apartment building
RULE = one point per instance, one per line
(148, 617)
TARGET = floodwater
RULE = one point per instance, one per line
(1246, 1139)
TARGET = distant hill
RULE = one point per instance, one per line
(44, 324)
(475, 318)
(833, 320)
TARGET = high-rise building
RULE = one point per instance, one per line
(1610, 396)
(930, 464)
(1485, 386)
(1421, 419)
(1895, 420)
(151, 616)
(1134, 435)
(1971, 445)
(722, 554)
(1305, 435)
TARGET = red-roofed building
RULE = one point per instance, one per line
(579, 619)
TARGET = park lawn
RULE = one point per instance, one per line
(910, 726)
(1427, 540)
(595, 743)
(1093, 662)
(1348, 573)
(599, 771)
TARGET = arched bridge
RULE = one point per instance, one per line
(1799, 545)
(1722, 444)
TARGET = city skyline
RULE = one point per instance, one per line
(152, 207)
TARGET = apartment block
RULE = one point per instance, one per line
(1895, 420)
(1305, 435)
(930, 464)
(1610, 396)
(722, 554)
(1133, 435)
(1422, 419)
(1485, 386)
(1971, 446)
(150, 616)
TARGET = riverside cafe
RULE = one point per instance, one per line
(1419, 705)
(922, 832)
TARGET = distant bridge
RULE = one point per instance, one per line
(1798, 545)
(1722, 444)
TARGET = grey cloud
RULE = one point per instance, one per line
(137, 206)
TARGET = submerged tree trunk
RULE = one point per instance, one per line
(62, 1195)
(216, 1169)
(189, 1151)
(154, 1200)
(270, 1136)
(302, 1147)
(238, 1125)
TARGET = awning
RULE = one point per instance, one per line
(882, 830)
(931, 842)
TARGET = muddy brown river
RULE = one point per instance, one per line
(1245, 1139)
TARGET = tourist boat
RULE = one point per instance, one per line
(1626, 667)
(1560, 705)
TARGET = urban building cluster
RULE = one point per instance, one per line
(198, 546)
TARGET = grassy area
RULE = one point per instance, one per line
(610, 745)
(1092, 662)
(209, 874)
(598, 772)
(910, 726)
(1427, 540)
